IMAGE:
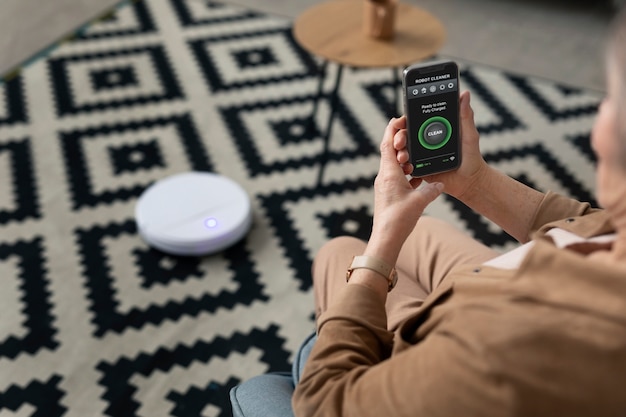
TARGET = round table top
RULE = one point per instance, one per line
(334, 30)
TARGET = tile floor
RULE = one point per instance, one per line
(554, 39)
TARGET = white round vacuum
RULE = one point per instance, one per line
(193, 214)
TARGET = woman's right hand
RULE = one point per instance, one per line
(473, 167)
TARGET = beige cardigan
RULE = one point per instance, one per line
(547, 339)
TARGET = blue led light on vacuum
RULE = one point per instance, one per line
(210, 223)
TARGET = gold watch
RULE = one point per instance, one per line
(376, 265)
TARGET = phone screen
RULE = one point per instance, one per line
(432, 110)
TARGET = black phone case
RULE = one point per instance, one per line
(438, 124)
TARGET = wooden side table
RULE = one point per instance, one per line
(333, 30)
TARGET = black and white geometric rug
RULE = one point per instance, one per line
(92, 321)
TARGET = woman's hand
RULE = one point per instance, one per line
(503, 200)
(473, 166)
(398, 201)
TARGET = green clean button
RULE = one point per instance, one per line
(435, 133)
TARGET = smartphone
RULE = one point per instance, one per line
(431, 106)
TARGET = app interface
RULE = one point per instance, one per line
(432, 111)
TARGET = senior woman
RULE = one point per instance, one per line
(539, 331)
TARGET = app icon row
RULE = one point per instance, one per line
(433, 88)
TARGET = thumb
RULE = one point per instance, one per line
(388, 154)
(428, 193)
(466, 113)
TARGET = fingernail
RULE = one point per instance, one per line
(439, 186)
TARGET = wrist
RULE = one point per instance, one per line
(372, 280)
(477, 184)
(381, 269)
(383, 248)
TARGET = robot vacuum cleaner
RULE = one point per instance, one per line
(193, 214)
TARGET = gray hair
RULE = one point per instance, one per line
(616, 61)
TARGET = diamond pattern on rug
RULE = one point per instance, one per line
(95, 179)
(122, 378)
(203, 13)
(37, 398)
(18, 194)
(557, 102)
(253, 58)
(92, 82)
(135, 19)
(261, 127)
(94, 321)
(289, 211)
(119, 302)
(12, 105)
(23, 263)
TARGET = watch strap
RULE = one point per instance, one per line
(376, 265)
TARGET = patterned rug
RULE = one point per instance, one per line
(93, 322)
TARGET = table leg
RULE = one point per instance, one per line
(318, 96)
(329, 126)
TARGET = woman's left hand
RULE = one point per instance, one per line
(398, 201)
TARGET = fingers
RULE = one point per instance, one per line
(434, 189)
(415, 182)
(468, 126)
(393, 135)
(407, 169)
(400, 145)
(464, 101)
(429, 192)
(399, 122)
(388, 152)
(395, 142)
(394, 125)
(399, 139)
